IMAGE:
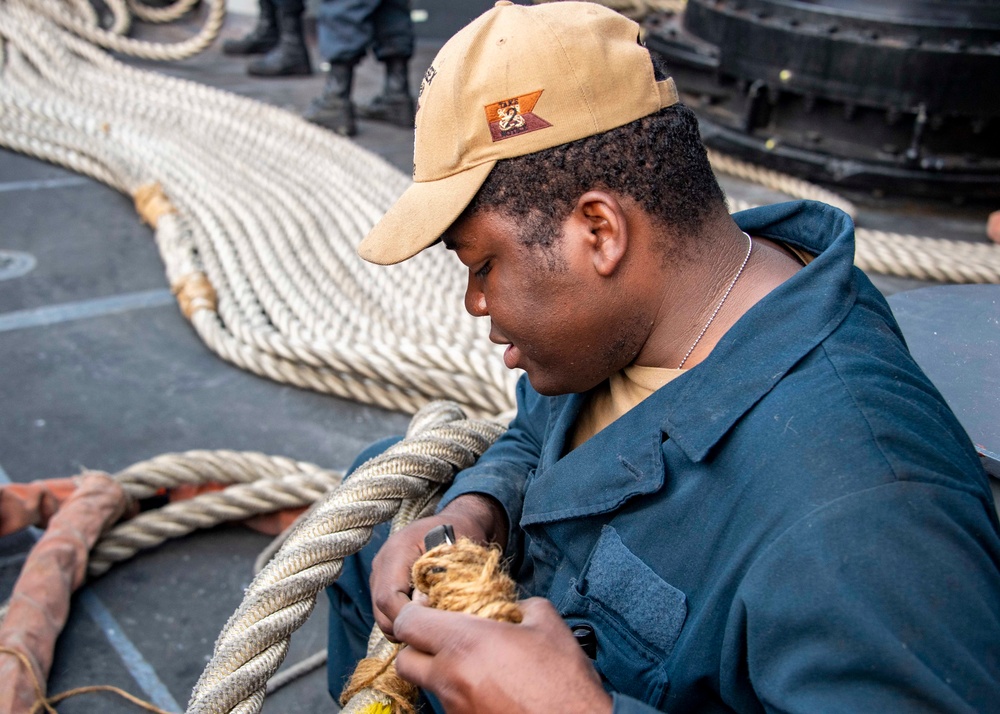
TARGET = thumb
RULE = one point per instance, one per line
(539, 612)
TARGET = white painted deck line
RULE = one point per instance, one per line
(84, 309)
(40, 184)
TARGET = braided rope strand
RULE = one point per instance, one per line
(253, 643)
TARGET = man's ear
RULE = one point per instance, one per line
(601, 218)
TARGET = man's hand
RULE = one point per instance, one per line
(478, 666)
(476, 517)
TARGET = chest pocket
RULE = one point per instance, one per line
(636, 616)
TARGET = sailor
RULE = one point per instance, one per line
(727, 479)
(347, 29)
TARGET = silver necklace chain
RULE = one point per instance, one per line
(721, 302)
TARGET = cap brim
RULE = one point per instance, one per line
(421, 216)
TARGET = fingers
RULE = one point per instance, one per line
(471, 515)
(538, 611)
(414, 663)
(428, 633)
(430, 630)
(475, 665)
(385, 618)
(416, 667)
(390, 582)
(390, 578)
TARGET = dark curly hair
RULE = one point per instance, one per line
(658, 160)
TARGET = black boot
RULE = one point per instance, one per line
(394, 105)
(290, 56)
(333, 109)
(261, 38)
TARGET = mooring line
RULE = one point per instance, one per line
(141, 670)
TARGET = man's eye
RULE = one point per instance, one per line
(486, 268)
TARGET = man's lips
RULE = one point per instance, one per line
(511, 356)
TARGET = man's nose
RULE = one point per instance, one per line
(475, 298)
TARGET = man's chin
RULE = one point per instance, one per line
(549, 385)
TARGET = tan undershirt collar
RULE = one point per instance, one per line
(619, 394)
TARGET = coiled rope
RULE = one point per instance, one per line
(260, 484)
(884, 252)
(257, 215)
(80, 19)
(402, 484)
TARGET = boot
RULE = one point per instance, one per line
(394, 105)
(261, 38)
(333, 109)
(290, 56)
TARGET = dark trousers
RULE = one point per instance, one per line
(351, 618)
(347, 28)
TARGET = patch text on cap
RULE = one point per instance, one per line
(514, 116)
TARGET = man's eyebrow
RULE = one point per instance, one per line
(451, 243)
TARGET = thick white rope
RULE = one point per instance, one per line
(83, 25)
(257, 484)
(265, 209)
(884, 252)
(169, 13)
(402, 484)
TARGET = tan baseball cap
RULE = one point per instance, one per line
(516, 80)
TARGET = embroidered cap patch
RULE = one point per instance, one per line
(510, 117)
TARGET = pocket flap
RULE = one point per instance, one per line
(649, 606)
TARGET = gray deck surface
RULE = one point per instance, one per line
(98, 369)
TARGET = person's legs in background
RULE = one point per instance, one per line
(289, 56)
(345, 31)
(262, 38)
(393, 44)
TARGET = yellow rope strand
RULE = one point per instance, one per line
(380, 675)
